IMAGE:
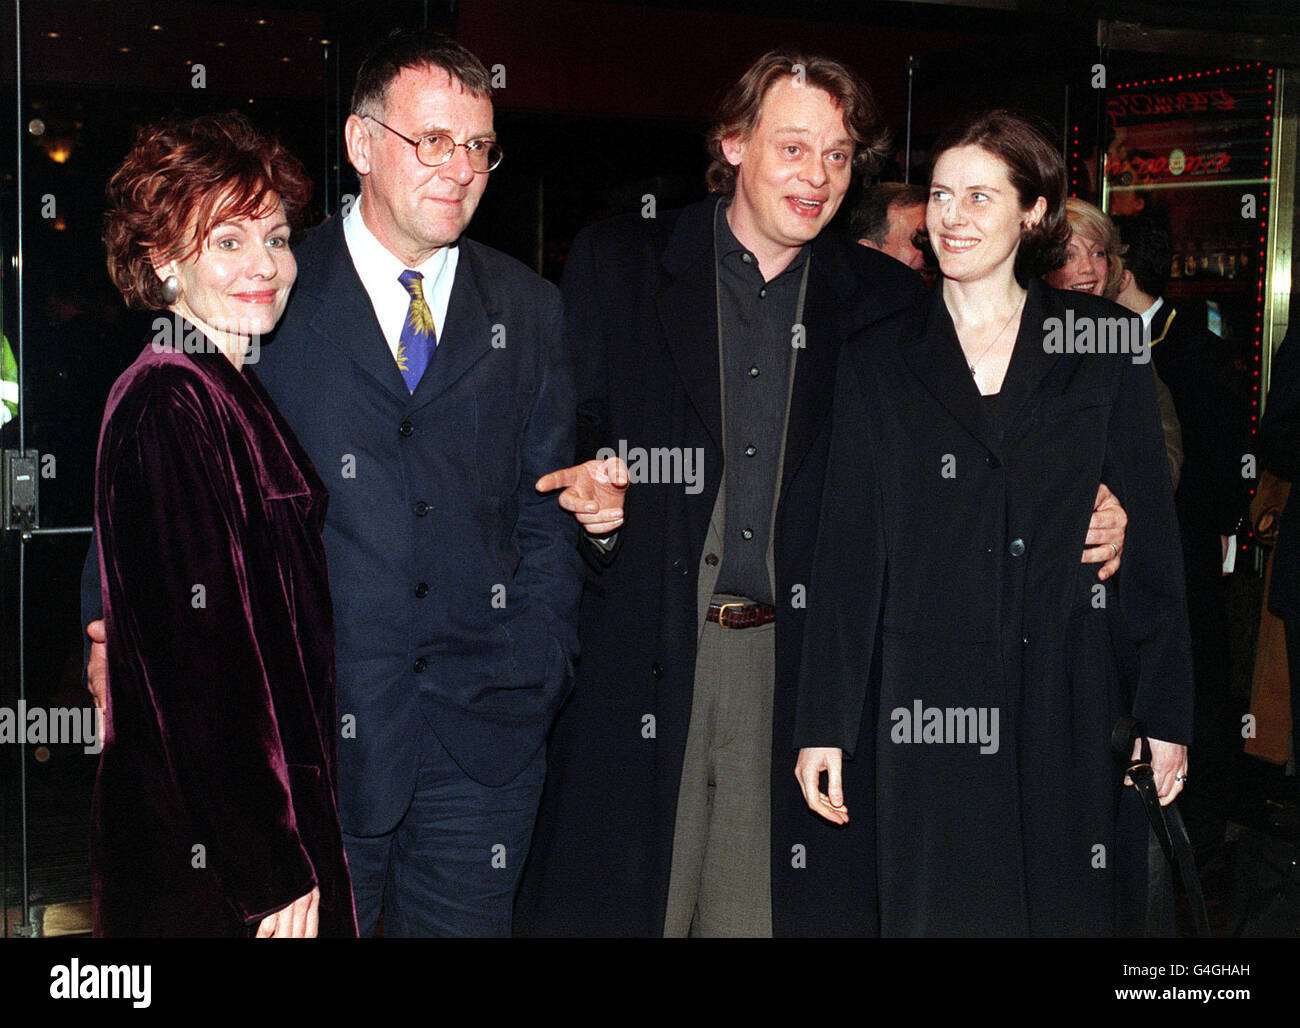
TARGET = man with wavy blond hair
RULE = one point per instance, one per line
(670, 808)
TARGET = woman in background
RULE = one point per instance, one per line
(1094, 264)
(214, 808)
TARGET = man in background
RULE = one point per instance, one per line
(1213, 494)
(890, 217)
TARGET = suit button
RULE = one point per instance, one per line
(1017, 548)
(406, 428)
(420, 664)
(422, 590)
(711, 559)
(992, 461)
(656, 672)
(421, 508)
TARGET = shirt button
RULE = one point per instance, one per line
(421, 508)
(1017, 548)
(748, 258)
(422, 590)
(656, 671)
(420, 664)
(750, 451)
(406, 428)
(711, 559)
(747, 533)
(762, 293)
(992, 461)
(753, 372)
(1024, 639)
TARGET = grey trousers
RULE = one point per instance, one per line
(721, 879)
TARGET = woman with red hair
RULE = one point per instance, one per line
(214, 809)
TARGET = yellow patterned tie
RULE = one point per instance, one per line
(419, 337)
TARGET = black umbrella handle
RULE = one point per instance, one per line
(1166, 821)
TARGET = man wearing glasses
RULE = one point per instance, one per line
(427, 377)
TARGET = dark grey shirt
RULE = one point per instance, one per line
(757, 320)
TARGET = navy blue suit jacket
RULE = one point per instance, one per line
(455, 584)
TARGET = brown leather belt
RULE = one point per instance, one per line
(741, 615)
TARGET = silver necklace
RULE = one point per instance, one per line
(972, 364)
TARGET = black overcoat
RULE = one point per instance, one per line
(951, 556)
(1279, 452)
(641, 316)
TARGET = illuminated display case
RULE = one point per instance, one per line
(1209, 152)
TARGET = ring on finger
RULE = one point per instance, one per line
(1114, 550)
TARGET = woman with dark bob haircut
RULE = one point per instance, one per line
(970, 435)
(214, 810)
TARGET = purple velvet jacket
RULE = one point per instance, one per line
(215, 799)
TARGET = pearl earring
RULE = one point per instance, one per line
(171, 289)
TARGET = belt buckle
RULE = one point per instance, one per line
(722, 610)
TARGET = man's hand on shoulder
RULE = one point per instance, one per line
(593, 492)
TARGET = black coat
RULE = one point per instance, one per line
(641, 317)
(1213, 494)
(439, 492)
(1279, 452)
(950, 555)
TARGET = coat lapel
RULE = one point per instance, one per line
(935, 357)
(340, 301)
(688, 312)
(1030, 362)
(830, 286)
(467, 331)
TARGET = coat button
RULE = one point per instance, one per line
(1017, 548)
(421, 508)
(656, 671)
(406, 428)
(753, 372)
(711, 559)
(420, 664)
(422, 590)
(992, 461)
